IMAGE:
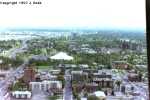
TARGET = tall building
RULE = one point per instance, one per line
(74, 35)
(29, 75)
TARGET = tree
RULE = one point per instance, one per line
(53, 97)
(92, 97)
(61, 78)
(118, 83)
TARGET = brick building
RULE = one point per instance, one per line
(29, 75)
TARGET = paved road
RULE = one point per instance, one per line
(39, 95)
(67, 89)
(16, 74)
(11, 78)
(23, 48)
(143, 94)
(138, 87)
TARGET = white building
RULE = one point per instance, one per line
(21, 94)
(120, 97)
(100, 94)
(45, 85)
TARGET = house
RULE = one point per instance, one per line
(21, 94)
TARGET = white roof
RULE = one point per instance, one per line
(46, 82)
(84, 65)
(99, 94)
(83, 98)
(62, 56)
(22, 92)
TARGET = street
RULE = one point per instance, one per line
(13, 75)
(67, 89)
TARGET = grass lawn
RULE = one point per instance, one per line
(53, 97)
(44, 67)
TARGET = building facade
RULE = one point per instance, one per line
(45, 85)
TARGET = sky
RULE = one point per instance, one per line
(75, 14)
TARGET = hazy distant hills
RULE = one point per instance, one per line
(75, 30)
(55, 32)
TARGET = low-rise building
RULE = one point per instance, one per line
(21, 94)
(90, 71)
(48, 76)
(70, 66)
(134, 77)
(84, 66)
(91, 87)
(100, 94)
(55, 72)
(120, 65)
(120, 98)
(45, 85)
(55, 91)
(78, 87)
(79, 76)
(2, 76)
(103, 78)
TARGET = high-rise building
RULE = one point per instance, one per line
(29, 75)
(73, 35)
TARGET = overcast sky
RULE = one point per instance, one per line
(76, 13)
